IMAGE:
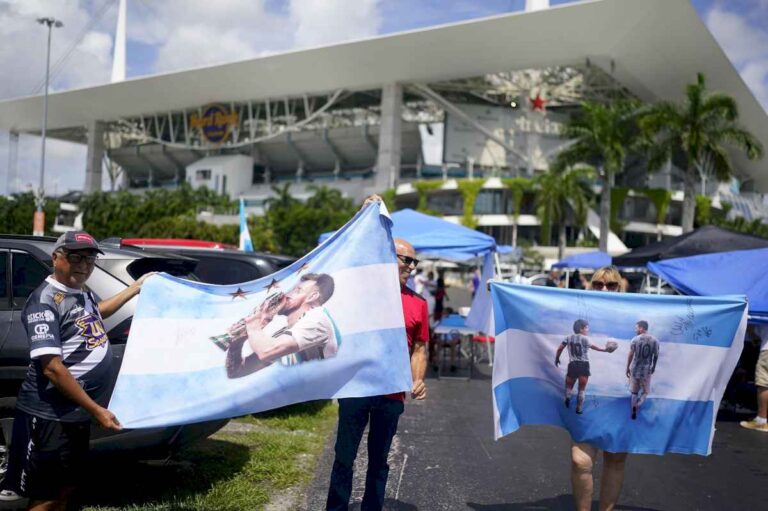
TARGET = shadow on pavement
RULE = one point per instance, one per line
(389, 505)
(559, 503)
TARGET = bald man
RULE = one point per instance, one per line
(382, 412)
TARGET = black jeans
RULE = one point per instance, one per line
(354, 414)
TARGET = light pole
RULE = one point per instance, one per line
(38, 224)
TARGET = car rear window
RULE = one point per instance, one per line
(175, 267)
(220, 270)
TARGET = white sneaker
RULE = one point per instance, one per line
(9, 496)
(753, 424)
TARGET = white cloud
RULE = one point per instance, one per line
(199, 32)
(64, 163)
(317, 23)
(23, 46)
(745, 42)
(193, 33)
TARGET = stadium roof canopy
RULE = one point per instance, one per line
(653, 48)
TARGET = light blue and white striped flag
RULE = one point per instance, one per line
(246, 245)
(673, 383)
(328, 326)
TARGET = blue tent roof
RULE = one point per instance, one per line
(738, 272)
(594, 260)
(434, 237)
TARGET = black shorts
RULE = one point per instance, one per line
(578, 368)
(55, 456)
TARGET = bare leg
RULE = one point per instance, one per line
(762, 402)
(51, 505)
(569, 383)
(582, 393)
(582, 461)
(613, 477)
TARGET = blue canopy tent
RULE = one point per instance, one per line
(434, 237)
(737, 272)
(594, 260)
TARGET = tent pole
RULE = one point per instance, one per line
(497, 264)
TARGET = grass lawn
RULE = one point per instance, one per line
(265, 458)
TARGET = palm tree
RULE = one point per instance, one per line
(602, 135)
(283, 198)
(699, 128)
(518, 186)
(557, 190)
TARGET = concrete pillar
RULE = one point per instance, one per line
(12, 185)
(390, 137)
(95, 157)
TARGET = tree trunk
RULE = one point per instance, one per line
(514, 232)
(689, 200)
(605, 210)
(561, 240)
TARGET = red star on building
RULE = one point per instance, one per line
(538, 102)
(273, 285)
(238, 294)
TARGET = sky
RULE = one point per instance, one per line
(168, 35)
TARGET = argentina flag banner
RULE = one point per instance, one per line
(328, 326)
(622, 372)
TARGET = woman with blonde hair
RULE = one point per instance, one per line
(583, 455)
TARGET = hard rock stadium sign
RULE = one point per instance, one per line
(216, 123)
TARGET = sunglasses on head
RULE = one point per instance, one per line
(75, 258)
(408, 260)
(610, 286)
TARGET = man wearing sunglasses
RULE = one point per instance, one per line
(381, 412)
(68, 374)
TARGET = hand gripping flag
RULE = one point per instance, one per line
(328, 326)
(622, 372)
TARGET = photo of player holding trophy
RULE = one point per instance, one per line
(291, 327)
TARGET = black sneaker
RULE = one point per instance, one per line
(634, 413)
(567, 402)
(579, 410)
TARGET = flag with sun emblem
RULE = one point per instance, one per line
(328, 326)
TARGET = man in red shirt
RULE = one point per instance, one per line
(383, 412)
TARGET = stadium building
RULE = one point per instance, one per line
(484, 99)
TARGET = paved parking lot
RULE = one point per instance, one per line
(444, 458)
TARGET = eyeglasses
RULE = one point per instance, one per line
(75, 258)
(408, 260)
(610, 286)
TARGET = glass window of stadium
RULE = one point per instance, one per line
(408, 200)
(493, 202)
(446, 202)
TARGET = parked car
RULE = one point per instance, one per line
(25, 261)
(217, 263)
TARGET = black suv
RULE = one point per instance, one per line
(25, 261)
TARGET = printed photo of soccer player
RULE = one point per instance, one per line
(578, 345)
(641, 364)
(291, 328)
